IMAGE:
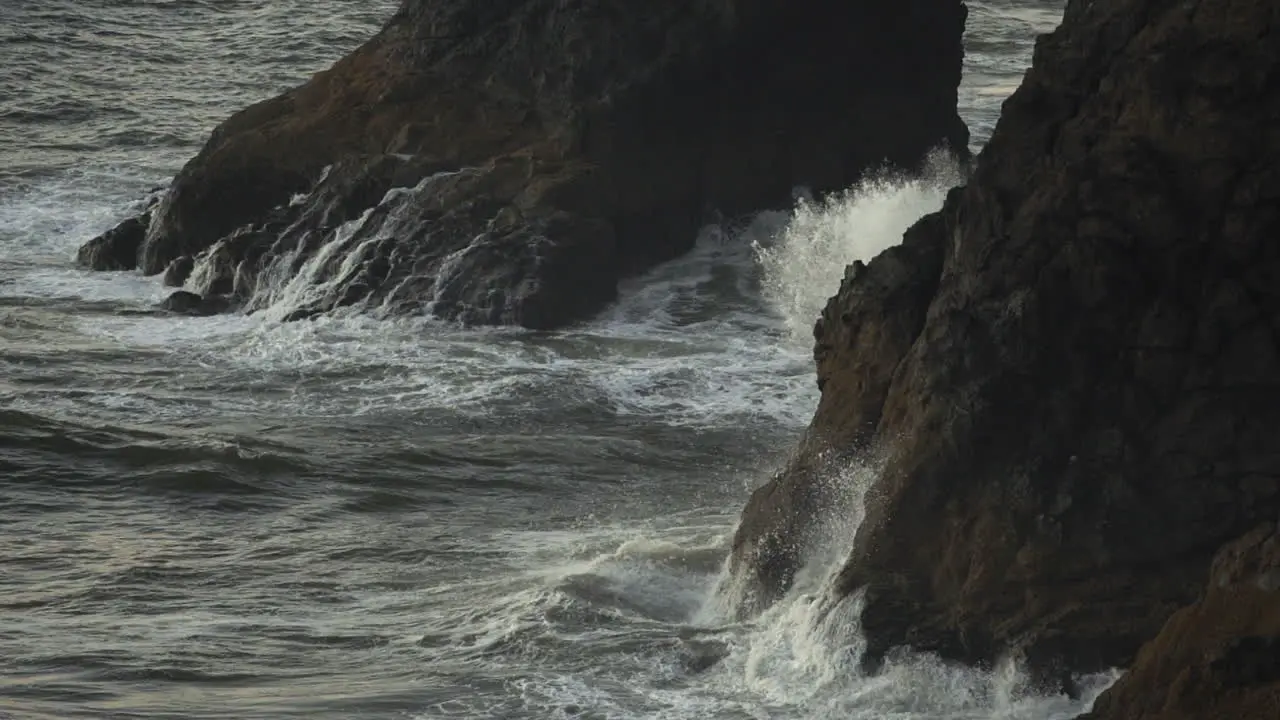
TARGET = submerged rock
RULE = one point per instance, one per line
(1072, 372)
(626, 124)
(698, 657)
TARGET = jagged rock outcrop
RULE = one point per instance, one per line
(178, 271)
(1074, 385)
(1218, 658)
(626, 123)
(118, 248)
(878, 312)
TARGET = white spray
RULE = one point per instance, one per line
(802, 654)
(804, 265)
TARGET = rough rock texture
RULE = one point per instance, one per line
(878, 312)
(474, 245)
(117, 248)
(178, 271)
(628, 123)
(1086, 407)
(189, 303)
(1218, 658)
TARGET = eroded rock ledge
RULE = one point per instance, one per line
(1072, 372)
(579, 142)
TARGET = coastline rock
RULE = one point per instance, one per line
(474, 246)
(183, 302)
(178, 271)
(1089, 409)
(117, 248)
(860, 339)
(628, 123)
(1217, 658)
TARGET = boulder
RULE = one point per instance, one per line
(178, 271)
(628, 122)
(1078, 405)
(222, 268)
(117, 248)
(183, 302)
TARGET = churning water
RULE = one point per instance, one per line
(235, 517)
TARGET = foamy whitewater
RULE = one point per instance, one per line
(356, 516)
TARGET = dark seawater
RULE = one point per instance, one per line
(234, 517)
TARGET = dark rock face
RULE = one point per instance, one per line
(178, 271)
(474, 245)
(625, 123)
(863, 334)
(1217, 658)
(189, 303)
(1075, 381)
(117, 248)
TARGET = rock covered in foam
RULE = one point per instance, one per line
(861, 337)
(119, 247)
(628, 122)
(1074, 386)
(479, 245)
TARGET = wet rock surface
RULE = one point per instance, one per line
(178, 271)
(183, 302)
(628, 125)
(119, 248)
(1074, 382)
(861, 338)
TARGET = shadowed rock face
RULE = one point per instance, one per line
(628, 123)
(183, 302)
(118, 248)
(1217, 658)
(1072, 371)
(862, 335)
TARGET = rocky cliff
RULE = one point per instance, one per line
(1071, 374)
(548, 148)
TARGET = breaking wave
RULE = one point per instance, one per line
(805, 264)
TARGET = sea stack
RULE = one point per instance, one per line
(1071, 374)
(547, 149)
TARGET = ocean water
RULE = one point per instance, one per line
(233, 517)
